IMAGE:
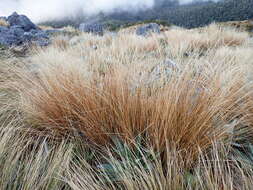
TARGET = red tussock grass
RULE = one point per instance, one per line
(190, 111)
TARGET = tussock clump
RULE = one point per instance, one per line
(61, 42)
(170, 111)
(4, 23)
(199, 41)
(190, 111)
(45, 27)
(143, 169)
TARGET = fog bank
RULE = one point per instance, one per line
(45, 10)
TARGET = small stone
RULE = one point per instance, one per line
(147, 29)
(94, 28)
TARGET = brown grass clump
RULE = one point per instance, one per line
(201, 40)
(104, 92)
(61, 42)
(169, 111)
(213, 172)
(191, 111)
(44, 27)
(3, 23)
(245, 25)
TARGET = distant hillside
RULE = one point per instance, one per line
(192, 15)
(201, 14)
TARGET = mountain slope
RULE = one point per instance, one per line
(191, 15)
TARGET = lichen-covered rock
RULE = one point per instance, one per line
(42, 42)
(21, 20)
(3, 29)
(38, 37)
(16, 30)
(95, 28)
(147, 29)
(8, 38)
(22, 31)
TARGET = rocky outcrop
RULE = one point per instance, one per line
(8, 37)
(21, 31)
(147, 29)
(94, 28)
(22, 21)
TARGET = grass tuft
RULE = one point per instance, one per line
(3, 23)
(170, 111)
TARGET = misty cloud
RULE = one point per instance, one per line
(41, 10)
(57, 9)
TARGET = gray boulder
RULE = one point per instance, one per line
(21, 20)
(95, 28)
(4, 29)
(16, 30)
(15, 35)
(36, 34)
(8, 37)
(22, 31)
(42, 42)
(40, 38)
(147, 29)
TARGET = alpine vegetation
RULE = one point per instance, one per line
(167, 108)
